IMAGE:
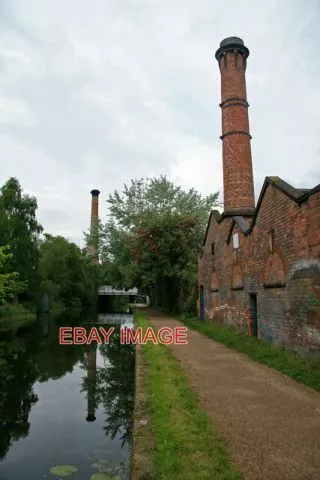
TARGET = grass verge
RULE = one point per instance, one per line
(186, 444)
(303, 370)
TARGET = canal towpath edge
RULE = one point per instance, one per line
(269, 423)
(142, 455)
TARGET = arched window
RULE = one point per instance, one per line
(214, 281)
(274, 275)
(237, 278)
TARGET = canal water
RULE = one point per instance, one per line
(66, 405)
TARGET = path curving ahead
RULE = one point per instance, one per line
(270, 423)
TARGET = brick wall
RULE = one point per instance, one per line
(279, 261)
(236, 149)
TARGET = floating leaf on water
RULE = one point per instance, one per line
(103, 476)
(63, 470)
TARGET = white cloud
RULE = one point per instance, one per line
(15, 111)
(93, 94)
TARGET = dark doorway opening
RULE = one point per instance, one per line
(201, 303)
(254, 313)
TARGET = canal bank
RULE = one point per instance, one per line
(142, 450)
(173, 438)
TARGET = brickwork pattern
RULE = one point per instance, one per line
(236, 149)
(285, 275)
(278, 259)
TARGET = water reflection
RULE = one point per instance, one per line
(40, 382)
(91, 383)
(124, 319)
(18, 373)
(111, 385)
(117, 394)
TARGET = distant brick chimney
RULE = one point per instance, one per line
(94, 222)
(94, 207)
(236, 150)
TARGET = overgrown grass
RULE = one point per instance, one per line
(14, 316)
(186, 444)
(303, 370)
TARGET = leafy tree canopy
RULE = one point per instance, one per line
(20, 229)
(152, 197)
(152, 238)
(66, 273)
(10, 284)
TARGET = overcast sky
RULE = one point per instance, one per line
(96, 92)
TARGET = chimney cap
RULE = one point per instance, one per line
(232, 40)
(231, 44)
(95, 193)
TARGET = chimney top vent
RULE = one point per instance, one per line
(232, 40)
(230, 44)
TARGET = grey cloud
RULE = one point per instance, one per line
(101, 92)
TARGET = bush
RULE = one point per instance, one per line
(14, 316)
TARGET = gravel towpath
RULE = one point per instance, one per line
(270, 423)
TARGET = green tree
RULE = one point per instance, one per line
(157, 196)
(164, 257)
(10, 284)
(20, 229)
(152, 239)
(67, 274)
(93, 240)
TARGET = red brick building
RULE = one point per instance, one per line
(260, 266)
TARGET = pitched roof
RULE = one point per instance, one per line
(216, 215)
(242, 224)
(292, 192)
(298, 195)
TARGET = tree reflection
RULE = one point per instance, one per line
(17, 375)
(39, 357)
(112, 386)
(54, 360)
(23, 361)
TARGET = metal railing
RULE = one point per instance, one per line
(107, 290)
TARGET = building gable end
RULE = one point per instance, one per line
(214, 215)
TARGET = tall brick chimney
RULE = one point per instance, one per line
(236, 150)
(94, 207)
(94, 222)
